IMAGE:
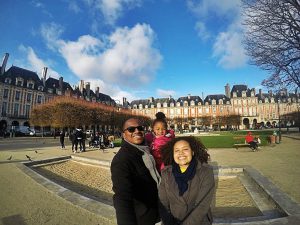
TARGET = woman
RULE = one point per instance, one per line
(187, 186)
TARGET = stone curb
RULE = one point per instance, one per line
(105, 211)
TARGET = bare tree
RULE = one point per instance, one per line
(272, 40)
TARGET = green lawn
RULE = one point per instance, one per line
(226, 139)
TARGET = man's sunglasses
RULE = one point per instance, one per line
(132, 129)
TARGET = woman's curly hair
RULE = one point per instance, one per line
(200, 151)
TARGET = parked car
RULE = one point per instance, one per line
(39, 133)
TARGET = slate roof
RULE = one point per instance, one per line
(217, 97)
(54, 83)
(196, 99)
(27, 75)
(147, 102)
(239, 89)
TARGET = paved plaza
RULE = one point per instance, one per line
(26, 202)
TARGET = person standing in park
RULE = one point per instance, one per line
(62, 139)
(135, 178)
(187, 183)
(72, 138)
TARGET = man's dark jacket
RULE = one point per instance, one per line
(136, 194)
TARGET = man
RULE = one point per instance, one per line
(135, 179)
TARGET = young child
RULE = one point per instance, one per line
(158, 137)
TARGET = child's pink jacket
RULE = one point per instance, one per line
(155, 144)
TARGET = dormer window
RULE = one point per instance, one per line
(135, 106)
(30, 85)
(7, 80)
(221, 102)
(178, 103)
(185, 103)
(40, 88)
(19, 81)
(50, 90)
(140, 106)
(199, 103)
(158, 105)
(234, 94)
(165, 104)
(213, 102)
(244, 94)
(192, 103)
(171, 104)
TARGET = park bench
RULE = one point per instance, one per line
(239, 145)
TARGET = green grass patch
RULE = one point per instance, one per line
(225, 139)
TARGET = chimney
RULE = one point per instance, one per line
(270, 93)
(97, 92)
(4, 62)
(151, 99)
(189, 96)
(81, 86)
(227, 90)
(61, 83)
(88, 89)
(124, 102)
(260, 93)
(44, 75)
(170, 97)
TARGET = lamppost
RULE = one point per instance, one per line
(298, 108)
(279, 119)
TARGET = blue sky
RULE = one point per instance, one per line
(131, 48)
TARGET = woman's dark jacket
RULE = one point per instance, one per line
(136, 194)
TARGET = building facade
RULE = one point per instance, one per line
(254, 110)
(21, 90)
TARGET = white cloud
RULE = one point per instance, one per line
(126, 58)
(114, 91)
(37, 64)
(221, 8)
(51, 33)
(111, 9)
(73, 6)
(202, 31)
(165, 93)
(228, 48)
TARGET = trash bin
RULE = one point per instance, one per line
(272, 139)
(277, 140)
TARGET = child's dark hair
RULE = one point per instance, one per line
(200, 151)
(160, 117)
